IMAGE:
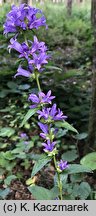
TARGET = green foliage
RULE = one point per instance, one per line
(8, 180)
(89, 160)
(6, 132)
(70, 155)
(29, 114)
(77, 191)
(76, 168)
(41, 193)
(66, 125)
(81, 136)
(82, 191)
(43, 160)
(4, 193)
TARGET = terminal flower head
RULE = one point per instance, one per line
(23, 18)
(41, 98)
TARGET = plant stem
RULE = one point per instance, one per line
(37, 80)
(59, 181)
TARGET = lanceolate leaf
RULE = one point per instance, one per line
(66, 125)
(29, 114)
(40, 163)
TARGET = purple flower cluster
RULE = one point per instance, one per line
(48, 116)
(23, 18)
(49, 146)
(41, 99)
(63, 165)
(34, 52)
(51, 114)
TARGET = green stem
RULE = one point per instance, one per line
(59, 181)
(36, 74)
(37, 80)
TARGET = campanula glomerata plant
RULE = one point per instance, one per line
(34, 53)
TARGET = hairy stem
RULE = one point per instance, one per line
(37, 80)
(59, 181)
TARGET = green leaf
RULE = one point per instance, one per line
(77, 168)
(6, 132)
(89, 160)
(8, 155)
(8, 180)
(4, 193)
(81, 136)
(3, 93)
(40, 163)
(22, 155)
(70, 155)
(66, 125)
(72, 73)
(35, 157)
(12, 85)
(53, 68)
(1, 171)
(61, 132)
(41, 193)
(24, 87)
(82, 191)
(29, 114)
(3, 145)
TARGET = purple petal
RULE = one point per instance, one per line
(53, 110)
(22, 72)
(43, 127)
(34, 98)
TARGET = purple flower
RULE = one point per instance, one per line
(41, 98)
(51, 114)
(39, 60)
(49, 146)
(23, 17)
(44, 128)
(38, 46)
(23, 49)
(63, 165)
(23, 136)
(22, 72)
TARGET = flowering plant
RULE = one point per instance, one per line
(19, 21)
